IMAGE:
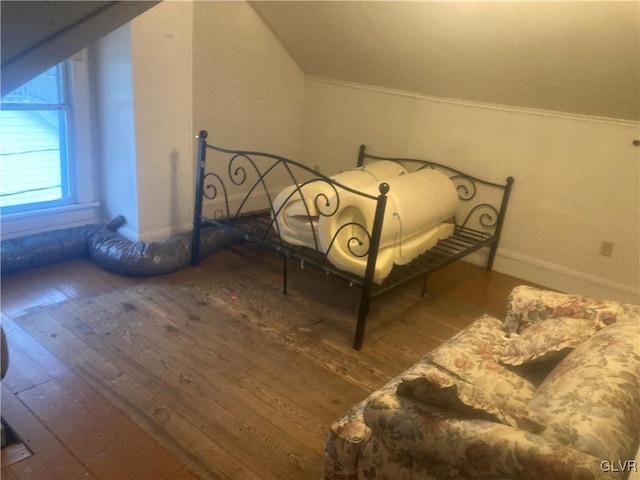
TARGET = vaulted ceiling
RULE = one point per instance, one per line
(570, 56)
(36, 35)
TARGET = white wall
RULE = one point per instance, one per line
(161, 55)
(191, 66)
(115, 136)
(248, 92)
(577, 178)
(144, 104)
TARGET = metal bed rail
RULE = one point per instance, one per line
(479, 226)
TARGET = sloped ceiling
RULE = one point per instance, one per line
(567, 56)
(36, 35)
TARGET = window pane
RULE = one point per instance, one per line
(46, 88)
(30, 156)
(33, 143)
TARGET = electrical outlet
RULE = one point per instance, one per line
(606, 248)
(217, 214)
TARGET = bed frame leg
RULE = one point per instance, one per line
(492, 256)
(284, 274)
(500, 222)
(197, 209)
(376, 233)
(424, 286)
(358, 339)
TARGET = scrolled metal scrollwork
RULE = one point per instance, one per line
(465, 186)
(322, 201)
(238, 173)
(325, 209)
(487, 216)
(360, 243)
(238, 176)
(209, 189)
(365, 241)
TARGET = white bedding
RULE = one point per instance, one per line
(418, 208)
(419, 205)
(296, 208)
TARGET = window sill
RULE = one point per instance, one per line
(58, 218)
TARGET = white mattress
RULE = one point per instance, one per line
(419, 204)
(297, 208)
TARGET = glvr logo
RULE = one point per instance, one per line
(619, 466)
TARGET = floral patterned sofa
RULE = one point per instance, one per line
(550, 393)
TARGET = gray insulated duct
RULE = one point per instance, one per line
(109, 249)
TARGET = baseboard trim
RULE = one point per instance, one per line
(562, 278)
(517, 265)
(163, 233)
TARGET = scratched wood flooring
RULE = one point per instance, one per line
(209, 372)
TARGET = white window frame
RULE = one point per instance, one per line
(81, 207)
(65, 134)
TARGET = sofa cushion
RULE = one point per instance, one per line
(591, 400)
(379, 461)
(627, 311)
(408, 437)
(528, 305)
(549, 340)
(462, 374)
(429, 383)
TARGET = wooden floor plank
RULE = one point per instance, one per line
(204, 456)
(14, 453)
(233, 336)
(214, 363)
(37, 365)
(183, 374)
(50, 458)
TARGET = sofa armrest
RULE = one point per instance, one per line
(346, 437)
(417, 432)
(342, 448)
(527, 305)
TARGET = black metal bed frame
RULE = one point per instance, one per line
(251, 175)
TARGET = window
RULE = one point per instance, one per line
(35, 160)
(48, 170)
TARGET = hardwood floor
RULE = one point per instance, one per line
(209, 372)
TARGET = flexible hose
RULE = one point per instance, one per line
(108, 249)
